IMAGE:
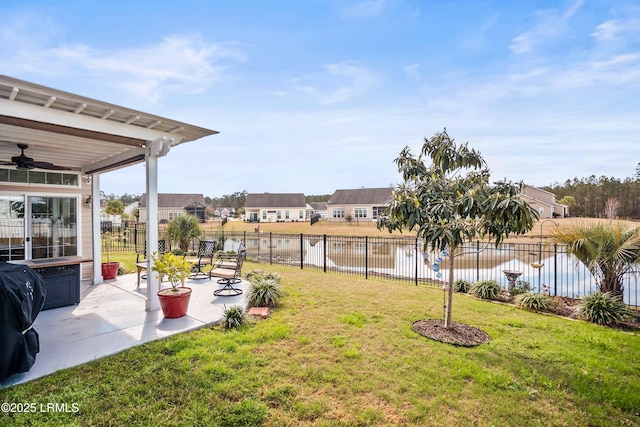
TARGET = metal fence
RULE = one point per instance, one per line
(546, 267)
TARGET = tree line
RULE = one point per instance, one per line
(600, 197)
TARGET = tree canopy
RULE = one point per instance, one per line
(450, 201)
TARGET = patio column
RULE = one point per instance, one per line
(95, 225)
(156, 148)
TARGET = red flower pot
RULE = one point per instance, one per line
(110, 270)
(174, 303)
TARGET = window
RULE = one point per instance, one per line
(174, 214)
(378, 211)
(301, 214)
(286, 214)
(338, 213)
(264, 214)
(360, 212)
(39, 177)
(279, 215)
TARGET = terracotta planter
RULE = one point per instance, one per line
(110, 270)
(174, 304)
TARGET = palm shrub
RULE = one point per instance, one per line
(607, 249)
(486, 289)
(533, 301)
(264, 289)
(233, 317)
(182, 229)
(603, 308)
(461, 286)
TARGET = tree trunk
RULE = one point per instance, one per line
(447, 317)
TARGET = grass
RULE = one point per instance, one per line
(339, 351)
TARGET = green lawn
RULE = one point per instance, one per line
(340, 351)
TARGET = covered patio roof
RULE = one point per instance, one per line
(91, 137)
(80, 133)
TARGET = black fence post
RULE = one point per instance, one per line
(366, 257)
(324, 255)
(415, 248)
(301, 253)
(271, 247)
(477, 260)
(555, 269)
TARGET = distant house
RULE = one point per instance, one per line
(173, 205)
(317, 208)
(364, 204)
(224, 212)
(544, 202)
(275, 207)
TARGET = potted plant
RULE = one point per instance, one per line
(174, 300)
(109, 269)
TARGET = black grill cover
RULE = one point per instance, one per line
(22, 295)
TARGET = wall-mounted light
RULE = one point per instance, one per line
(87, 179)
(87, 201)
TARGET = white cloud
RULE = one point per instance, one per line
(412, 71)
(179, 63)
(549, 25)
(340, 82)
(364, 9)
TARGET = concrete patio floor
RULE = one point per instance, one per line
(111, 317)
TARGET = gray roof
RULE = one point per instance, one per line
(318, 206)
(275, 200)
(361, 196)
(170, 200)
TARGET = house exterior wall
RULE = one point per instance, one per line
(544, 202)
(279, 214)
(165, 214)
(359, 212)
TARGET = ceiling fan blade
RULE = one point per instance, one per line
(49, 166)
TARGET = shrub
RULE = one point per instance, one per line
(486, 289)
(255, 275)
(603, 308)
(519, 287)
(533, 301)
(461, 286)
(264, 293)
(233, 317)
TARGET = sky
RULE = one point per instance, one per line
(318, 95)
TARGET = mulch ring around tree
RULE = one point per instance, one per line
(456, 334)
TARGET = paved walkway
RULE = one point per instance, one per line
(110, 318)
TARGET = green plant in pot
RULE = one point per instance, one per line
(174, 300)
(109, 269)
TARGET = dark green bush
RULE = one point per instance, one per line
(533, 301)
(486, 289)
(233, 317)
(461, 286)
(603, 308)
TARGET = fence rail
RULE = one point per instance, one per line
(546, 267)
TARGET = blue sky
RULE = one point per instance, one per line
(313, 96)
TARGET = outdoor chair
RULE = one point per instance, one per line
(228, 276)
(141, 259)
(206, 250)
(230, 259)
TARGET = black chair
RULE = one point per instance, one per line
(141, 258)
(228, 275)
(206, 249)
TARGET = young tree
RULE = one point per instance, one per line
(611, 207)
(451, 201)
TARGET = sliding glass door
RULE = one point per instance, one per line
(43, 227)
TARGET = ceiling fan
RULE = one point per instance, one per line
(24, 162)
